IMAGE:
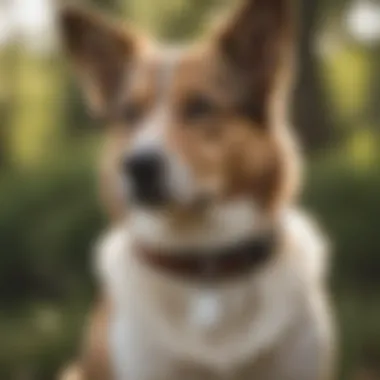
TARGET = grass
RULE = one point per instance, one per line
(37, 340)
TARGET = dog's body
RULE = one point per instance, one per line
(210, 164)
(273, 324)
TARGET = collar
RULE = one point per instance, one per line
(212, 265)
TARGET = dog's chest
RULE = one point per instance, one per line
(177, 336)
(202, 333)
(162, 329)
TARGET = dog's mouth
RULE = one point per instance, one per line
(162, 198)
(202, 228)
(154, 197)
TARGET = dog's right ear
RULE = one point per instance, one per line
(101, 52)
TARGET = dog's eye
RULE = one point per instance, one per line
(198, 108)
(132, 113)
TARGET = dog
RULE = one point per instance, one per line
(209, 270)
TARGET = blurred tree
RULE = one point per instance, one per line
(311, 113)
(7, 78)
(173, 19)
(109, 4)
(188, 20)
(374, 90)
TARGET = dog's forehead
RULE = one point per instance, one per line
(170, 66)
(170, 59)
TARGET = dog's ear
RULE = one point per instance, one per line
(101, 52)
(256, 44)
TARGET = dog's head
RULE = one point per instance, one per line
(195, 125)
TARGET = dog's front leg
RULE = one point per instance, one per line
(94, 363)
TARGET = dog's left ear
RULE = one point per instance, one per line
(256, 45)
(101, 51)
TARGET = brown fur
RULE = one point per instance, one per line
(95, 350)
(242, 148)
(94, 363)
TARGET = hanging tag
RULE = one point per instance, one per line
(206, 310)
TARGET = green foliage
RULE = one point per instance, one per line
(46, 222)
(346, 198)
(174, 20)
(39, 339)
(347, 74)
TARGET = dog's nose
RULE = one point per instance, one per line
(144, 167)
(146, 171)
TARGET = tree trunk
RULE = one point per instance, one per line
(374, 90)
(7, 101)
(311, 113)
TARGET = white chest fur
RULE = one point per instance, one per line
(158, 320)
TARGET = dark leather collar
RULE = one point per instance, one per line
(226, 263)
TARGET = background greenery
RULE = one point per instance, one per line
(49, 214)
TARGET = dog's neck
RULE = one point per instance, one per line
(220, 226)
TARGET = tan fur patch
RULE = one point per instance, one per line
(96, 362)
